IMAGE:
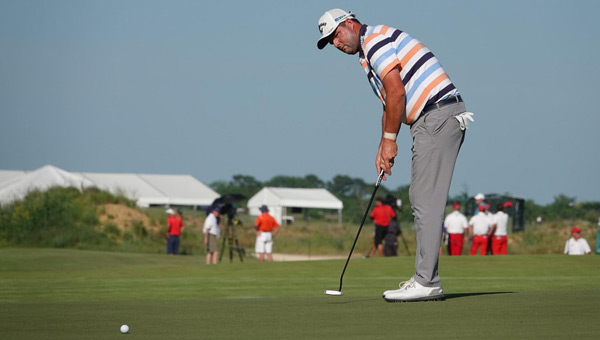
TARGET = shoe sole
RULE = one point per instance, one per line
(427, 298)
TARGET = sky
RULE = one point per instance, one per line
(219, 88)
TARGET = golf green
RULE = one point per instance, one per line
(76, 294)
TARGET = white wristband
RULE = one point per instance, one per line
(390, 136)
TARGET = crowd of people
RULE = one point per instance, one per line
(265, 224)
(486, 232)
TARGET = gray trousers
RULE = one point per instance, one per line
(436, 141)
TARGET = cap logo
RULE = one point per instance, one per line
(340, 18)
(321, 25)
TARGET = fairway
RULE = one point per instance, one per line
(76, 294)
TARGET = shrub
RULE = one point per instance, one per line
(58, 217)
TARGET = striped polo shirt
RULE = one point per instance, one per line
(424, 79)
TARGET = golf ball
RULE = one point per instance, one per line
(124, 329)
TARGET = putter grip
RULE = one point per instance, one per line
(379, 179)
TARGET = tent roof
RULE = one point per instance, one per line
(156, 189)
(10, 175)
(295, 197)
(145, 189)
(18, 184)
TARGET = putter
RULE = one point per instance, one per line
(339, 291)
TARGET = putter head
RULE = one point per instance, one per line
(333, 292)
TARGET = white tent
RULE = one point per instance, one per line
(16, 184)
(150, 190)
(146, 190)
(278, 199)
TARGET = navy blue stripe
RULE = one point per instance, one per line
(443, 92)
(363, 30)
(374, 49)
(383, 42)
(416, 66)
(377, 46)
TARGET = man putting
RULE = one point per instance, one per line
(414, 89)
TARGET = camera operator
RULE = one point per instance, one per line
(212, 230)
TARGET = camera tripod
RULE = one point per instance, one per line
(230, 238)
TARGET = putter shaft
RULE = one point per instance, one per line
(377, 184)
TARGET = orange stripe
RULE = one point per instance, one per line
(369, 38)
(389, 68)
(411, 53)
(424, 95)
(383, 30)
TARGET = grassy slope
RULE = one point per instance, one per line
(74, 294)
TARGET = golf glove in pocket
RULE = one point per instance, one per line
(463, 119)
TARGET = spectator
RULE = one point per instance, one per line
(492, 218)
(577, 245)
(266, 229)
(500, 240)
(479, 200)
(381, 215)
(212, 231)
(479, 229)
(456, 224)
(174, 230)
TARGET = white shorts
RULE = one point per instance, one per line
(264, 243)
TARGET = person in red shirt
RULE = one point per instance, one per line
(174, 230)
(266, 229)
(381, 215)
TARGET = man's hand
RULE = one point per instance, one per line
(388, 150)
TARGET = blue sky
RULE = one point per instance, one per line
(218, 88)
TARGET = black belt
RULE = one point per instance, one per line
(443, 102)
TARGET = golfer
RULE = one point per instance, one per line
(415, 90)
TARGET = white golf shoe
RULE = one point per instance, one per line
(411, 290)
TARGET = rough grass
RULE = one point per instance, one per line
(75, 294)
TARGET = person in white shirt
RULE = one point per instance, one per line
(479, 200)
(212, 230)
(492, 230)
(577, 245)
(480, 226)
(500, 240)
(455, 224)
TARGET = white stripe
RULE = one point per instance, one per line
(419, 91)
(406, 48)
(386, 62)
(411, 62)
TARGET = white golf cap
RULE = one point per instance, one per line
(170, 211)
(480, 196)
(329, 22)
